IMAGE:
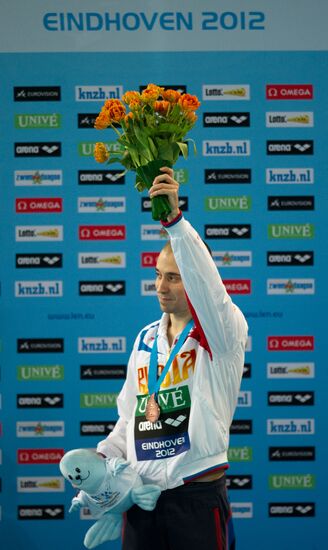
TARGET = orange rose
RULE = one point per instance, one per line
(130, 96)
(134, 104)
(155, 88)
(171, 95)
(100, 153)
(191, 116)
(189, 102)
(102, 121)
(115, 110)
(128, 117)
(161, 106)
(150, 95)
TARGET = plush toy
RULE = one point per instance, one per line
(108, 487)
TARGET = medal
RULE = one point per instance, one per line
(152, 409)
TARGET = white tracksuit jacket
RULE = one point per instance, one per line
(199, 394)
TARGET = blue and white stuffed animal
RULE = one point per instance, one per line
(108, 487)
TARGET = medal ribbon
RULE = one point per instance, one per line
(154, 382)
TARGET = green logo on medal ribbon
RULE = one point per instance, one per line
(168, 400)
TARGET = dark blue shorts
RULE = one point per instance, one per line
(194, 516)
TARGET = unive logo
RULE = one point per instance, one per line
(290, 147)
(102, 232)
(98, 400)
(38, 149)
(290, 286)
(38, 289)
(232, 258)
(98, 93)
(294, 258)
(294, 202)
(40, 485)
(228, 231)
(291, 231)
(289, 91)
(240, 454)
(37, 93)
(290, 343)
(99, 205)
(39, 260)
(242, 510)
(226, 92)
(241, 203)
(231, 175)
(292, 509)
(33, 373)
(101, 288)
(234, 148)
(86, 148)
(289, 176)
(153, 232)
(44, 178)
(29, 233)
(106, 344)
(39, 121)
(39, 205)
(219, 120)
(280, 454)
(290, 426)
(289, 119)
(292, 481)
(101, 260)
(101, 177)
(40, 428)
(290, 370)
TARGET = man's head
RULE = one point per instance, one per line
(169, 286)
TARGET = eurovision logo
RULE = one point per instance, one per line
(37, 93)
(226, 92)
(40, 345)
(226, 176)
(102, 372)
(290, 202)
(279, 454)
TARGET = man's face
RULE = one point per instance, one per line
(169, 287)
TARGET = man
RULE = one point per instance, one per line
(174, 422)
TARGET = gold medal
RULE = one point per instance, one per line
(152, 409)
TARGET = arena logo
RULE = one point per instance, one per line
(291, 231)
(292, 398)
(241, 427)
(40, 484)
(38, 289)
(287, 202)
(146, 204)
(291, 454)
(242, 510)
(244, 399)
(102, 232)
(39, 205)
(247, 370)
(107, 344)
(30, 233)
(102, 372)
(101, 288)
(101, 260)
(148, 288)
(232, 258)
(38, 149)
(39, 456)
(229, 204)
(289, 176)
(98, 400)
(226, 92)
(41, 400)
(228, 231)
(290, 370)
(96, 428)
(289, 119)
(289, 147)
(45, 260)
(109, 205)
(240, 454)
(40, 345)
(290, 286)
(294, 258)
(237, 286)
(291, 509)
(290, 426)
(98, 93)
(225, 176)
(87, 148)
(290, 343)
(46, 373)
(239, 482)
(222, 120)
(44, 512)
(37, 93)
(291, 481)
(44, 178)
(38, 121)
(149, 259)
(40, 428)
(234, 148)
(101, 177)
(289, 91)
(153, 233)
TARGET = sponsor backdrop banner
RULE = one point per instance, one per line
(79, 246)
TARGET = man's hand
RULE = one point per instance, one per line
(165, 184)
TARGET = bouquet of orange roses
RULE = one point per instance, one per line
(151, 134)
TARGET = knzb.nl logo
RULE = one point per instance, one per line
(290, 426)
(98, 93)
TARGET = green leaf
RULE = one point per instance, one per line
(194, 145)
(183, 148)
(152, 147)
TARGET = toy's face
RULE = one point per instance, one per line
(83, 471)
